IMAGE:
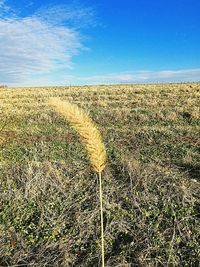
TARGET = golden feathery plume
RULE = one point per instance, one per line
(85, 127)
(92, 140)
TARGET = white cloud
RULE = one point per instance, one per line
(30, 46)
(5, 10)
(34, 45)
(188, 75)
(73, 15)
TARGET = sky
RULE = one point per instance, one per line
(80, 42)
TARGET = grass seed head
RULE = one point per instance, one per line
(89, 133)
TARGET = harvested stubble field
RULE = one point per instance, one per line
(49, 205)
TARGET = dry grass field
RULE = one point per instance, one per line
(49, 205)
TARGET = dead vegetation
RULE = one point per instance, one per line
(49, 205)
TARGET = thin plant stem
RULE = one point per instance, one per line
(101, 208)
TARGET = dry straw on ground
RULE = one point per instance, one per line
(92, 141)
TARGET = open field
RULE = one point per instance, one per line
(49, 206)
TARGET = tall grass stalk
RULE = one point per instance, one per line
(92, 141)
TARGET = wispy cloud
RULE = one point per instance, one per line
(187, 75)
(36, 44)
(165, 76)
(6, 10)
(73, 15)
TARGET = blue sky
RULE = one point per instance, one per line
(91, 42)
